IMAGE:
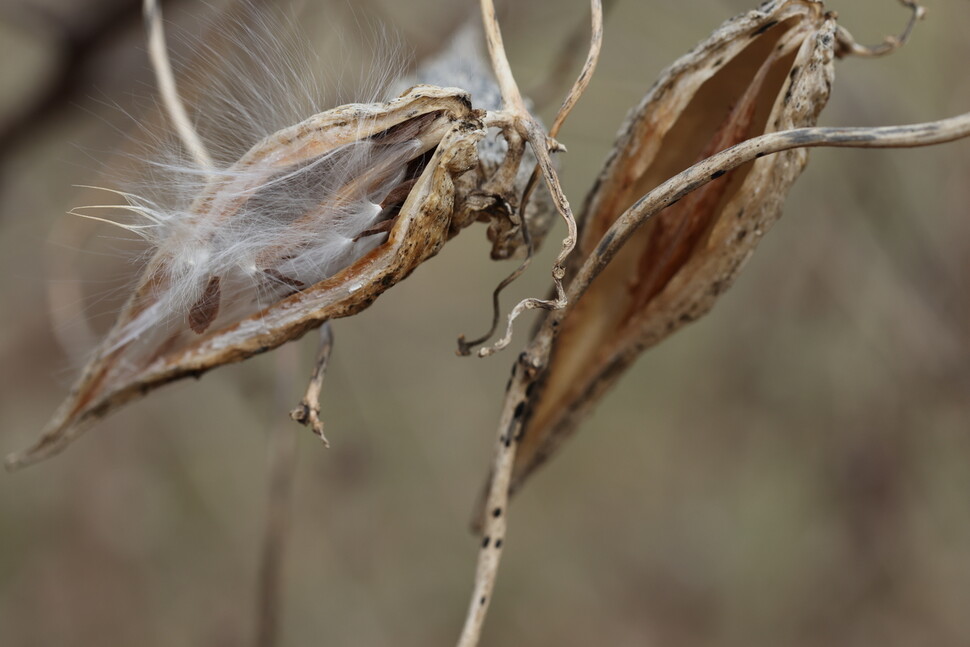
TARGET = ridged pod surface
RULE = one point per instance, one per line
(763, 71)
(433, 133)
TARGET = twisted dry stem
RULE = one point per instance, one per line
(308, 411)
(530, 365)
(515, 117)
(572, 97)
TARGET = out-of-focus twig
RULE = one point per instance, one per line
(77, 43)
(167, 90)
(282, 455)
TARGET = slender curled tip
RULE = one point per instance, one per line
(16, 461)
(848, 45)
(528, 304)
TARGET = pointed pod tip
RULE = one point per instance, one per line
(58, 435)
(15, 461)
(11, 462)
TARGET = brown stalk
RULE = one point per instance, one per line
(495, 523)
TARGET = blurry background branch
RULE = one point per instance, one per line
(75, 34)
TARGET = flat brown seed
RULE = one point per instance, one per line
(204, 311)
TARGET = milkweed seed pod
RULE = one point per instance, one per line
(764, 71)
(244, 270)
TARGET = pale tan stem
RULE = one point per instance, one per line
(511, 97)
(495, 522)
(586, 74)
(557, 77)
(158, 53)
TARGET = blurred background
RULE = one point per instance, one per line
(793, 469)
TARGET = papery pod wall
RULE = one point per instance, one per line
(763, 71)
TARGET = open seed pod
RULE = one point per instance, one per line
(767, 70)
(313, 223)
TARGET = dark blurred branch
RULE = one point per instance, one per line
(77, 43)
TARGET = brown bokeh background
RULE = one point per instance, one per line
(794, 469)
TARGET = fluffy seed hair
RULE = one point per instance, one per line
(264, 220)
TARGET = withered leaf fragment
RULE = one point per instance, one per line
(398, 161)
(764, 71)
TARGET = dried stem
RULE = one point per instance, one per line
(510, 422)
(511, 97)
(282, 471)
(494, 525)
(589, 66)
(174, 107)
(540, 143)
(308, 411)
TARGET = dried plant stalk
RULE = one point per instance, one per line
(494, 524)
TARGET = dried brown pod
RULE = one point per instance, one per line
(182, 321)
(764, 71)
